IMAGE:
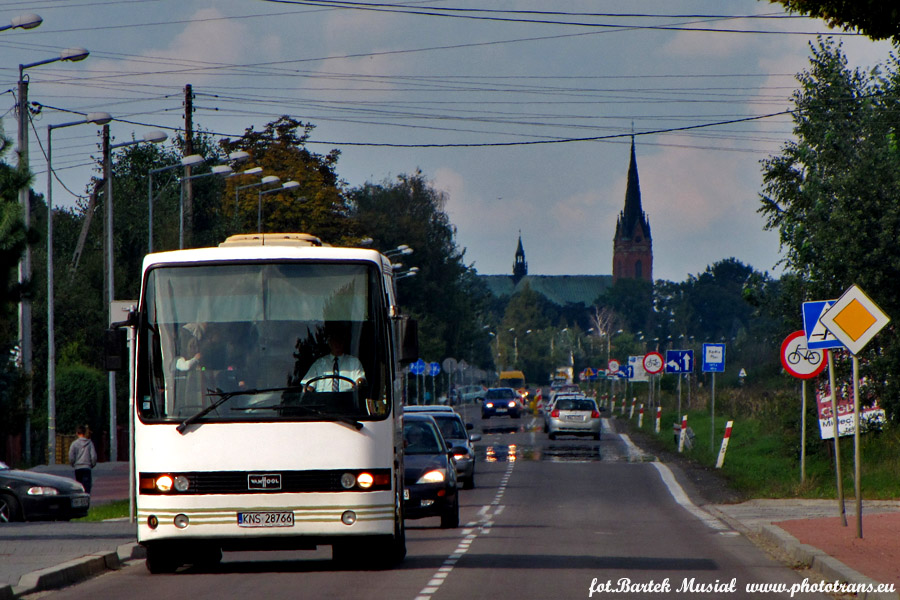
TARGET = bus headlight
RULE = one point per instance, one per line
(181, 483)
(348, 481)
(164, 483)
(365, 480)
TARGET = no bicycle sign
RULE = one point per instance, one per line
(799, 359)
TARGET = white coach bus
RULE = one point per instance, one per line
(238, 442)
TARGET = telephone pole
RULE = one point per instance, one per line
(188, 151)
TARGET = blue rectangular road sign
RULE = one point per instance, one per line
(679, 361)
(817, 335)
(713, 358)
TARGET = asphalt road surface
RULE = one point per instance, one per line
(547, 519)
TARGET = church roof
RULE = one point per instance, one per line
(559, 289)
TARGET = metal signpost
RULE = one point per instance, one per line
(713, 362)
(804, 363)
(679, 362)
(434, 369)
(854, 319)
(653, 363)
(418, 368)
(818, 337)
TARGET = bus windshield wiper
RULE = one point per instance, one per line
(223, 397)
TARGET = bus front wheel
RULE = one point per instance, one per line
(162, 559)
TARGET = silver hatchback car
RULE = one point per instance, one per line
(574, 416)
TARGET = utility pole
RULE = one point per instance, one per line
(25, 353)
(188, 150)
(110, 289)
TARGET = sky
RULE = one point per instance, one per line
(521, 112)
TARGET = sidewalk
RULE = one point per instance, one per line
(47, 555)
(811, 534)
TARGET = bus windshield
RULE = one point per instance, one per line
(263, 341)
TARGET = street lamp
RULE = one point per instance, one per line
(401, 250)
(71, 55)
(215, 170)
(29, 21)
(98, 119)
(287, 185)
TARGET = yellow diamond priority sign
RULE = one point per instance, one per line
(854, 319)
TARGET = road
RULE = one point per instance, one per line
(546, 520)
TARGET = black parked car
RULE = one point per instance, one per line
(429, 475)
(30, 496)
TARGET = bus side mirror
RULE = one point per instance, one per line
(406, 335)
(115, 350)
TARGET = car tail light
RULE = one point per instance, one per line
(555, 414)
(595, 414)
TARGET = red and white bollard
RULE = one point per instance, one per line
(658, 417)
(641, 417)
(631, 412)
(683, 433)
(721, 460)
(612, 407)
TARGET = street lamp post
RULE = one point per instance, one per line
(97, 119)
(287, 185)
(187, 161)
(72, 55)
(264, 181)
(215, 170)
(155, 137)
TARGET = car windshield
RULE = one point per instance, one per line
(421, 437)
(451, 427)
(501, 394)
(575, 404)
(257, 334)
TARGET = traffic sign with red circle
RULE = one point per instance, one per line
(798, 359)
(613, 367)
(653, 362)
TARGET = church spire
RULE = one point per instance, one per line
(520, 267)
(632, 245)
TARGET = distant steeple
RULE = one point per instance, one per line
(520, 267)
(632, 245)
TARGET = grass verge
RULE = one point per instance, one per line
(108, 510)
(763, 459)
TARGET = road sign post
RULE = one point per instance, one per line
(854, 319)
(679, 362)
(713, 362)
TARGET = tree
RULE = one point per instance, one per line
(877, 19)
(445, 296)
(318, 206)
(632, 300)
(834, 193)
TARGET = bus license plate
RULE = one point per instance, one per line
(265, 519)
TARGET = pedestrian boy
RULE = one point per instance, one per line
(83, 457)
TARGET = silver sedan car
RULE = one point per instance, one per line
(574, 416)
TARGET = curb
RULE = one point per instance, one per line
(805, 555)
(72, 571)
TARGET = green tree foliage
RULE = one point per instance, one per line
(877, 19)
(632, 300)
(317, 206)
(13, 239)
(834, 194)
(445, 296)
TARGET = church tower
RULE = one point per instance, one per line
(632, 246)
(520, 267)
